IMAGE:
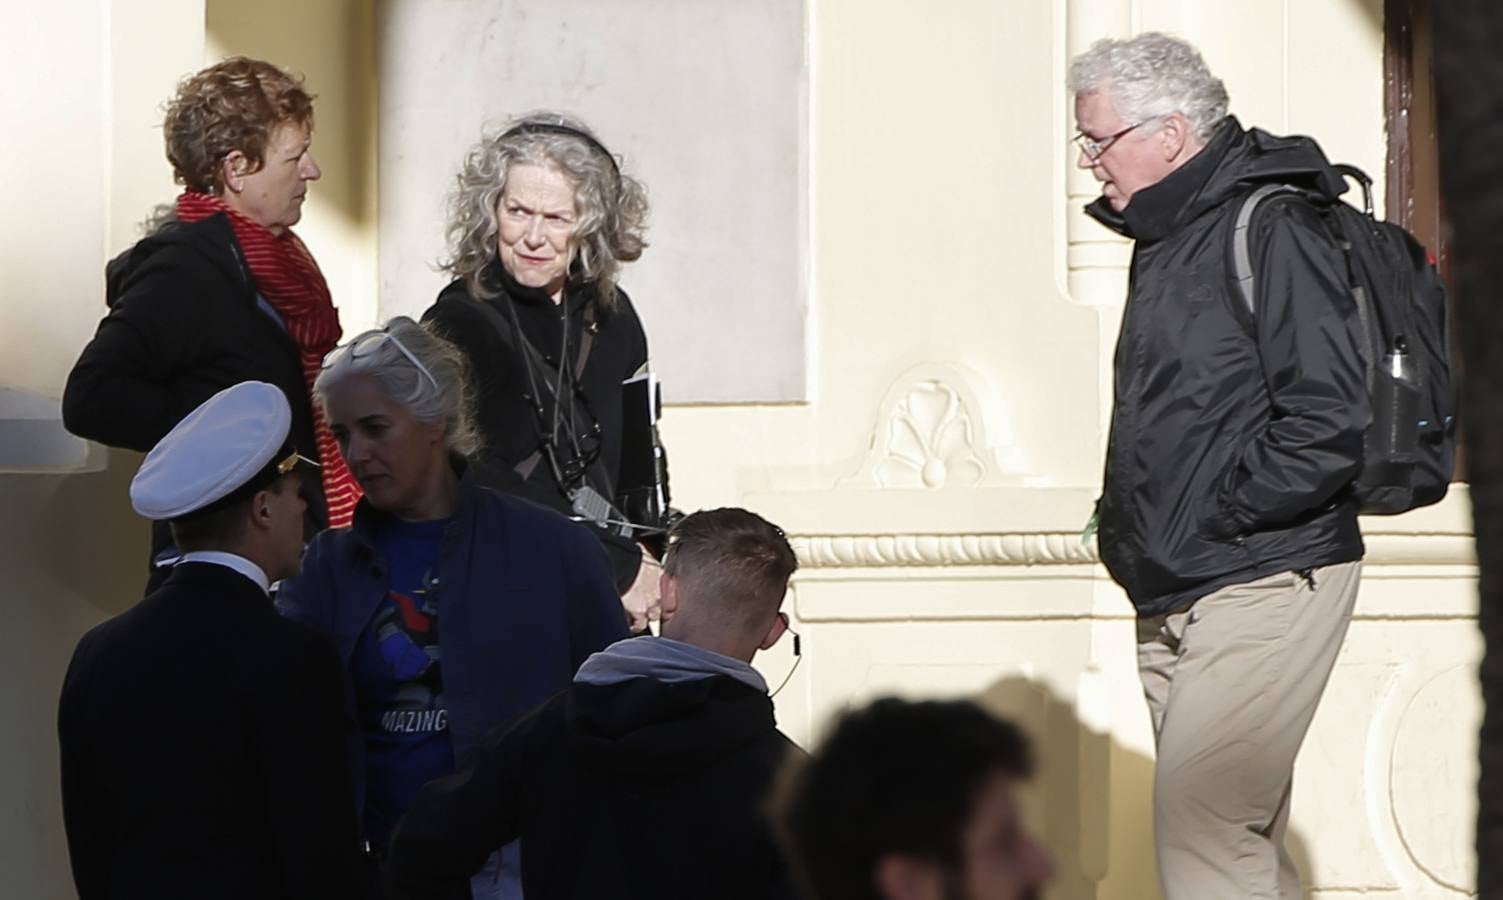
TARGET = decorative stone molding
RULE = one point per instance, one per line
(842, 551)
(831, 551)
(1435, 841)
(930, 435)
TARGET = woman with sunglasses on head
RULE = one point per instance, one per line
(539, 224)
(454, 608)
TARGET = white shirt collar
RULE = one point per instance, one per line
(230, 561)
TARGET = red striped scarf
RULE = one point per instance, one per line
(288, 277)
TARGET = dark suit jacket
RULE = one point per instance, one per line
(202, 741)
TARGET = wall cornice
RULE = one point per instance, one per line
(844, 551)
(840, 551)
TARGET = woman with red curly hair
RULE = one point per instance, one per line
(220, 290)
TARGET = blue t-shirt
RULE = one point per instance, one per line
(398, 678)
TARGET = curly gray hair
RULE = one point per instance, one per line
(1152, 75)
(612, 206)
(418, 370)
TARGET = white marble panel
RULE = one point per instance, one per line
(703, 99)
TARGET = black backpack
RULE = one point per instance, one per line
(1409, 450)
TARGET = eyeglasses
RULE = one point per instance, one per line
(1093, 148)
(368, 343)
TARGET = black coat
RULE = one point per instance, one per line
(1233, 442)
(203, 744)
(183, 324)
(507, 420)
(640, 789)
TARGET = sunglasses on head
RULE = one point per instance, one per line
(370, 342)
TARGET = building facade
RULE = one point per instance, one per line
(938, 449)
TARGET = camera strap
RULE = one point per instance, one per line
(530, 357)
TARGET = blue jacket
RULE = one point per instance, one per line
(527, 596)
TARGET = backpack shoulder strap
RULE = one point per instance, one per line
(1242, 267)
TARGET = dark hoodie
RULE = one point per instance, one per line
(1233, 441)
(183, 324)
(629, 784)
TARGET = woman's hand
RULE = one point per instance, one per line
(642, 601)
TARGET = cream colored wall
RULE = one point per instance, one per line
(83, 165)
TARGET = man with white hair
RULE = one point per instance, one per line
(1226, 511)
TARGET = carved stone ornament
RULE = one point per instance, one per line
(930, 435)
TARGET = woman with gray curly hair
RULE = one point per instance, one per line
(454, 608)
(540, 221)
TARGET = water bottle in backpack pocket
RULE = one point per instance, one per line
(1409, 449)
(1393, 436)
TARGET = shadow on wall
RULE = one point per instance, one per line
(1091, 801)
(1373, 9)
(76, 536)
(332, 45)
(297, 36)
(73, 553)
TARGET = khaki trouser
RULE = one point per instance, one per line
(1232, 683)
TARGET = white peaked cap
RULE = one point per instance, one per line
(213, 451)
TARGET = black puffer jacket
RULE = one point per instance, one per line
(1233, 441)
(183, 324)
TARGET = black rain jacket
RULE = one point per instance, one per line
(1235, 436)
